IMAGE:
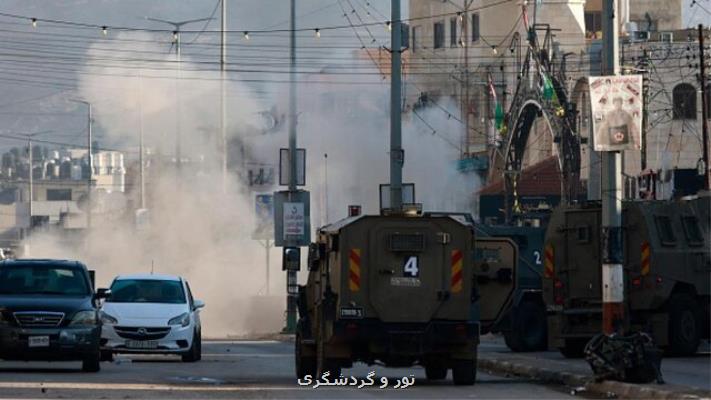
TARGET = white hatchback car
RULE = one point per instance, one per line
(151, 314)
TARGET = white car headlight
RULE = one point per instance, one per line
(182, 320)
(87, 317)
(108, 319)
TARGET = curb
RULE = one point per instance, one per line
(604, 388)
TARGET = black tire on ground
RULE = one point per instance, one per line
(435, 370)
(325, 364)
(91, 363)
(464, 372)
(304, 365)
(684, 325)
(194, 354)
(573, 348)
(106, 355)
(529, 328)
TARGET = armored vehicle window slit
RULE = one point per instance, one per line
(583, 233)
(665, 230)
(407, 242)
(692, 231)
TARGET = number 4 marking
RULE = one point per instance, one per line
(411, 269)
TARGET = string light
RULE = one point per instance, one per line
(389, 26)
(34, 22)
(175, 35)
(318, 32)
(494, 50)
(461, 17)
(104, 30)
(246, 35)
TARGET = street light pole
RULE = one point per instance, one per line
(176, 40)
(291, 275)
(223, 95)
(397, 154)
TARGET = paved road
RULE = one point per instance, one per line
(693, 371)
(237, 370)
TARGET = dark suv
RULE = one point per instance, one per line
(48, 312)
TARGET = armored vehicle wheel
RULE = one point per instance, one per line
(435, 371)
(684, 325)
(574, 348)
(305, 365)
(325, 364)
(464, 372)
(529, 328)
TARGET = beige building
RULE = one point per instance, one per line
(467, 42)
(453, 49)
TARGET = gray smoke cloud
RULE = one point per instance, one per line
(203, 233)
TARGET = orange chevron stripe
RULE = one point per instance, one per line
(354, 270)
(457, 281)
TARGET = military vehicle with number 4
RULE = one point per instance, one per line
(400, 290)
(667, 273)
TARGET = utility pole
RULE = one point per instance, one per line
(645, 103)
(141, 161)
(704, 107)
(612, 257)
(467, 104)
(223, 96)
(176, 41)
(397, 154)
(89, 161)
(291, 275)
(31, 193)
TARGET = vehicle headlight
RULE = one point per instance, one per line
(107, 319)
(87, 317)
(182, 320)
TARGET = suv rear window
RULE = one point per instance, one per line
(43, 279)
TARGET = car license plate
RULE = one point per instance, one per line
(141, 344)
(38, 341)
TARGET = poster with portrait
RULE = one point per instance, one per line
(617, 112)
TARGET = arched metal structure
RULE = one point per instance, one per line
(530, 102)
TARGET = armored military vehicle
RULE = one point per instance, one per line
(523, 322)
(667, 273)
(400, 290)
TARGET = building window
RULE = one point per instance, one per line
(475, 27)
(684, 96)
(415, 36)
(438, 35)
(453, 37)
(59, 194)
(593, 24)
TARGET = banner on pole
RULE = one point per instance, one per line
(617, 112)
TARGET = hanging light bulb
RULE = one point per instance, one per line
(461, 17)
(246, 35)
(34, 22)
(389, 26)
(104, 30)
(494, 50)
(175, 35)
(318, 32)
